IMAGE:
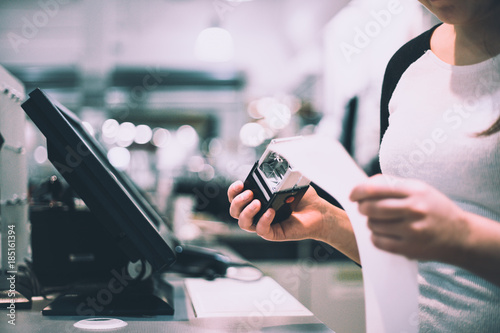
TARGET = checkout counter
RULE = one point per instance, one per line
(215, 303)
(221, 305)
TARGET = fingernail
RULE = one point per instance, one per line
(255, 205)
(268, 213)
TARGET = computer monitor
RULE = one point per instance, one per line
(110, 195)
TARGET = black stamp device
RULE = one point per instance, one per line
(276, 184)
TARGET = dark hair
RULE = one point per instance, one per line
(496, 125)
(492, 129)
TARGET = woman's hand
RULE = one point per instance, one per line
(306, 221)
(411, 218)
(313, 218)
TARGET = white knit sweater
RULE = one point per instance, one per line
(435, 112)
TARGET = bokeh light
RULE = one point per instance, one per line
(126, 134)
(252, 134)
(119, 157)
(195, 163)
(214, 45)
(161, 137)
(88, 127)
(143, 134)
(40, 154)
(187, 137)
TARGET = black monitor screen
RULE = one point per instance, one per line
(109, 194)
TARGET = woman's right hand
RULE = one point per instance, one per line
(309, 220)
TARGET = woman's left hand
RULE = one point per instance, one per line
(411, 218)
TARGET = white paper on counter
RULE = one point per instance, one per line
(390, 281)
(232, 298)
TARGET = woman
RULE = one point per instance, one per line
(439, 198)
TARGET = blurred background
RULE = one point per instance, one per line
(186, 94)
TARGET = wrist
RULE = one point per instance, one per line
(325, 231)
(337, 231)
(460, 243)
(478, 250)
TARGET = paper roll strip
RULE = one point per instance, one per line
(390, 281)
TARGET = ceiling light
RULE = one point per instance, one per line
(214, 45)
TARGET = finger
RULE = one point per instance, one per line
(389, 208)
(389, 244)
(239, 203)
(379, 186)
(234, 189)
(245, 220)
(264, 227)
(388, 228)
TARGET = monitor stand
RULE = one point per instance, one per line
(151, 297)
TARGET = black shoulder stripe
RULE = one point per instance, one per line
(399, 63)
